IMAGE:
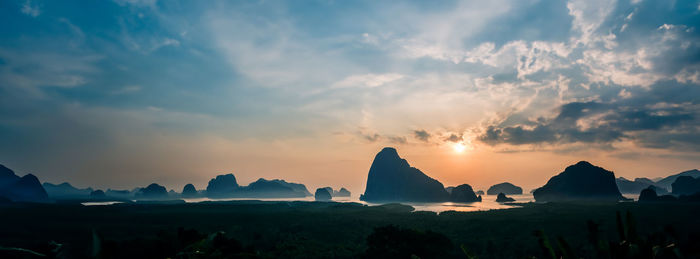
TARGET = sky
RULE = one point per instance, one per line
(119, 94)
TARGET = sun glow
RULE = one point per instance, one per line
(459, 147)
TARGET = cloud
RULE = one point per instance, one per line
(30, 8)
(453, 138)
(421, 135)
(642, 120)
(367, 80)
(127, 89)
(397, 139)
(592, 75)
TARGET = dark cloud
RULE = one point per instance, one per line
(454, 138)
(397, 139)
(647, 121)
(421, 135)
(371, 137)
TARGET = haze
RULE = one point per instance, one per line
(125, 93)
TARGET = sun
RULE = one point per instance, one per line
(459, 147)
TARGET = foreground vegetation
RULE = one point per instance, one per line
(250, 229)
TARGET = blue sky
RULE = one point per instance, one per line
(124, 93)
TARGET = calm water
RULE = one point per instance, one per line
(488, 203)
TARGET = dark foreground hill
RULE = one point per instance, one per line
(342, 230)
(391, 178)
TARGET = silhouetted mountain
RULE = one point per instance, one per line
(23, 189)
(322, 194)
(226, 186)
(152, 191)
(505, 188)
(449, 189)
(189, 191)
(391, 178)
(7, 177)
(685, 185)
(222, 186)
(479, 192)
(641, 180)
(65, 190)
(636, 186)
(649, 195)
(341, 193)
(667, 181)
(581, 181)
(464, 193)
(275, 188)
(27, 188)
(297, 187)
(98, 194)
(503, 198)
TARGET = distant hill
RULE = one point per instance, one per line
(505, 188)
(338, 193)
(322, 194)
(189, 191)
(464, 193)
(503, 198)
(667, 181)
(23, 189)
(226, 186)
(582, 181)
(66, 190)
(152, 191)
(686, 185)
(275, 188)
(391, 178)
(7, 177)
(341, 193)
(222, 186)
(636, 186)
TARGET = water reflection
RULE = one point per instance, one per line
(488, 203)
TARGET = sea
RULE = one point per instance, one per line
(488, 202)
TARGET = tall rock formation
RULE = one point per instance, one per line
(391, 178)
